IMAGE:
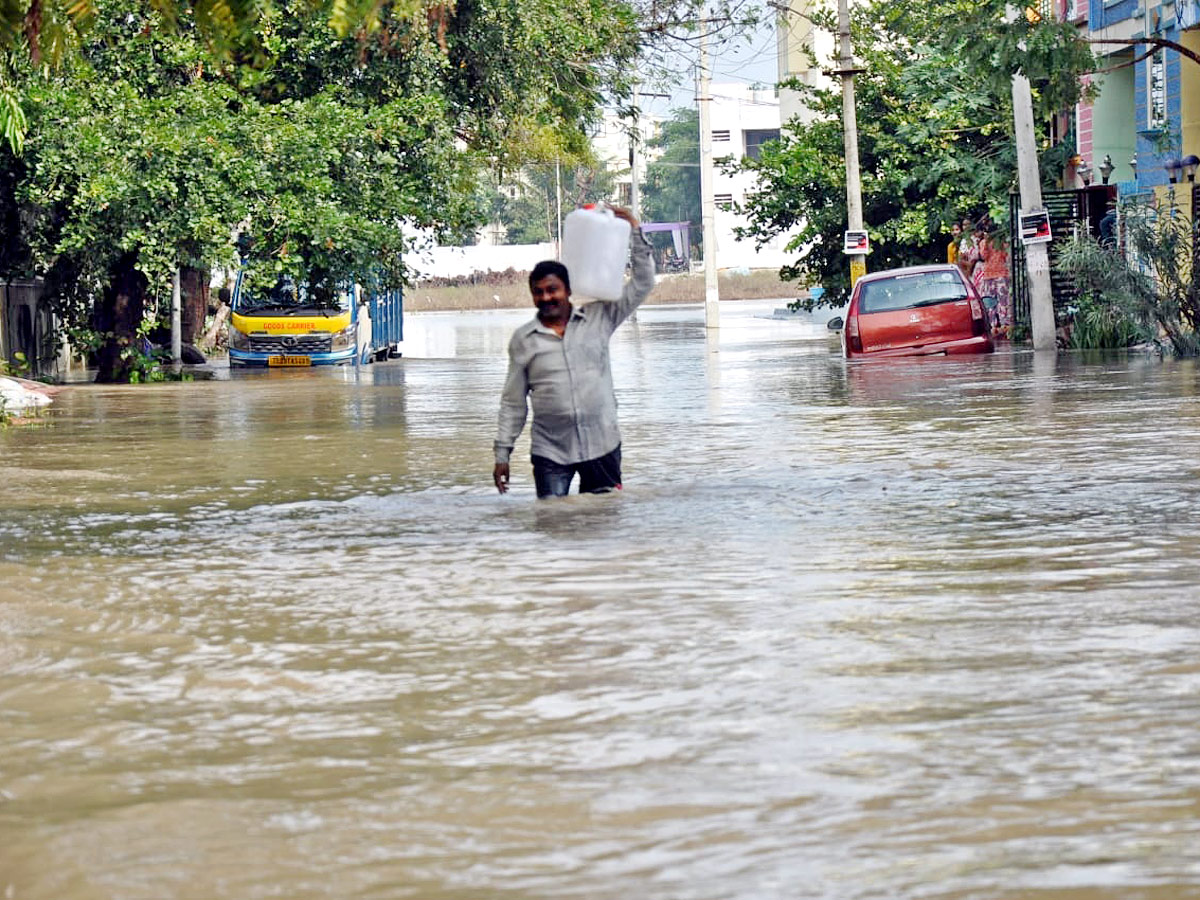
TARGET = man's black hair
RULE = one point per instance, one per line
(550, 267)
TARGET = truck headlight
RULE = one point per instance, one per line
(345, 338)
(238, 340)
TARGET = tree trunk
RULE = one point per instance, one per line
(193, 284)
(209, 341)
(117, 318)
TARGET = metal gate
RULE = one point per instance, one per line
(27, 327)
(1072, 213)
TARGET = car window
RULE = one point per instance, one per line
(908, 291)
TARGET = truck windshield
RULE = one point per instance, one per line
(288, 296)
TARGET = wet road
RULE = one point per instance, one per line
(922, 629)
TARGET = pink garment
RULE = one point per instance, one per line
(995, 262)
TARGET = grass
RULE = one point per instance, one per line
(756, 285)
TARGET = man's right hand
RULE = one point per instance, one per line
(500, 476)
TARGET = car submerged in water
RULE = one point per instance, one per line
(915, 311)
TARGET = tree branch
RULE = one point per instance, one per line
(1154, 43)
(1126, 65)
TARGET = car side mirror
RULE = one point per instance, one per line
(990, 302)
(835, 324)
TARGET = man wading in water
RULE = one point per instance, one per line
(560, 359)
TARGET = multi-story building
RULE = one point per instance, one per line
(612, 146)
(803, 53)
(1145, 112)
(742, 119)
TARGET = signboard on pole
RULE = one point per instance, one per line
(1035, 227)
(856, 242)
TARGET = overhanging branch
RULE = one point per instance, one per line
(1155, 43)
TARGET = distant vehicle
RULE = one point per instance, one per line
(674, 265)
(307, 325)
(916, 311)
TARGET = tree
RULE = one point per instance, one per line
(158, 130)
(558, 44)
(527, 204)
(146, 152)
(935, 135)
(672, 186)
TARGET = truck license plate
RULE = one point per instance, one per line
(289, 360)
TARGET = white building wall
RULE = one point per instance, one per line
(610, 142)
(798, 42)
(737, 109)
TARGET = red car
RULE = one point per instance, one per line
(920, 310)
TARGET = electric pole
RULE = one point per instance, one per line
(635, 156)
(1037, 259)
(558, 209)
(712, 311)
(854, 216)
(635, 138)
(176, 319)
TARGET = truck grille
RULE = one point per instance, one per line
(291, 343)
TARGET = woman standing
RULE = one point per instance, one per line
(991, 280)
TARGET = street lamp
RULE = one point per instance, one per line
(1190, 163)
(1106, 167)
(1133, 165)
(1085, 172)
(1174, 167)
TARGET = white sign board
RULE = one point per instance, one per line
(856, 242)
(1035, 227)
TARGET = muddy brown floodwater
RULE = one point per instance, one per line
(920, 629)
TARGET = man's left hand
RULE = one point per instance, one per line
(500, 476)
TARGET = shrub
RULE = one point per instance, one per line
(1145, 286)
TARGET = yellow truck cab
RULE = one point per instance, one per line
(296, 325)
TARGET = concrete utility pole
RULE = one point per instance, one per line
(635, 156)
(1037, 258)
(854, 216)
(558, 208)
(712, 311)
(635, 194)
(176, 319)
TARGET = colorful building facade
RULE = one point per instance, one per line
(1146, 112)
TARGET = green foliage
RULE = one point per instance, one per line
(146, 364)
(1162, 243)
(527, 205)
(327, 153)
(19, 365)
(513, 72)
(1151, 288)
(1114, 301)
(672, 188)
(934, 116)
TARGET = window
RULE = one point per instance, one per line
(755, 138)
(722, 135)
(909, 291)
(1156, 90)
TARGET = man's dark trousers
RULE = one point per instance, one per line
(596, 476)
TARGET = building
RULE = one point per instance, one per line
(803, 53)
(743, 119)
(612, 146)
(1146, 113)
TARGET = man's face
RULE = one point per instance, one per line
(551, 297)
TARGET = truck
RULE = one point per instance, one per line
(299, 324)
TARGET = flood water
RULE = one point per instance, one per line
(914, 629)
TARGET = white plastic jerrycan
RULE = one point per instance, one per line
(595, 249)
